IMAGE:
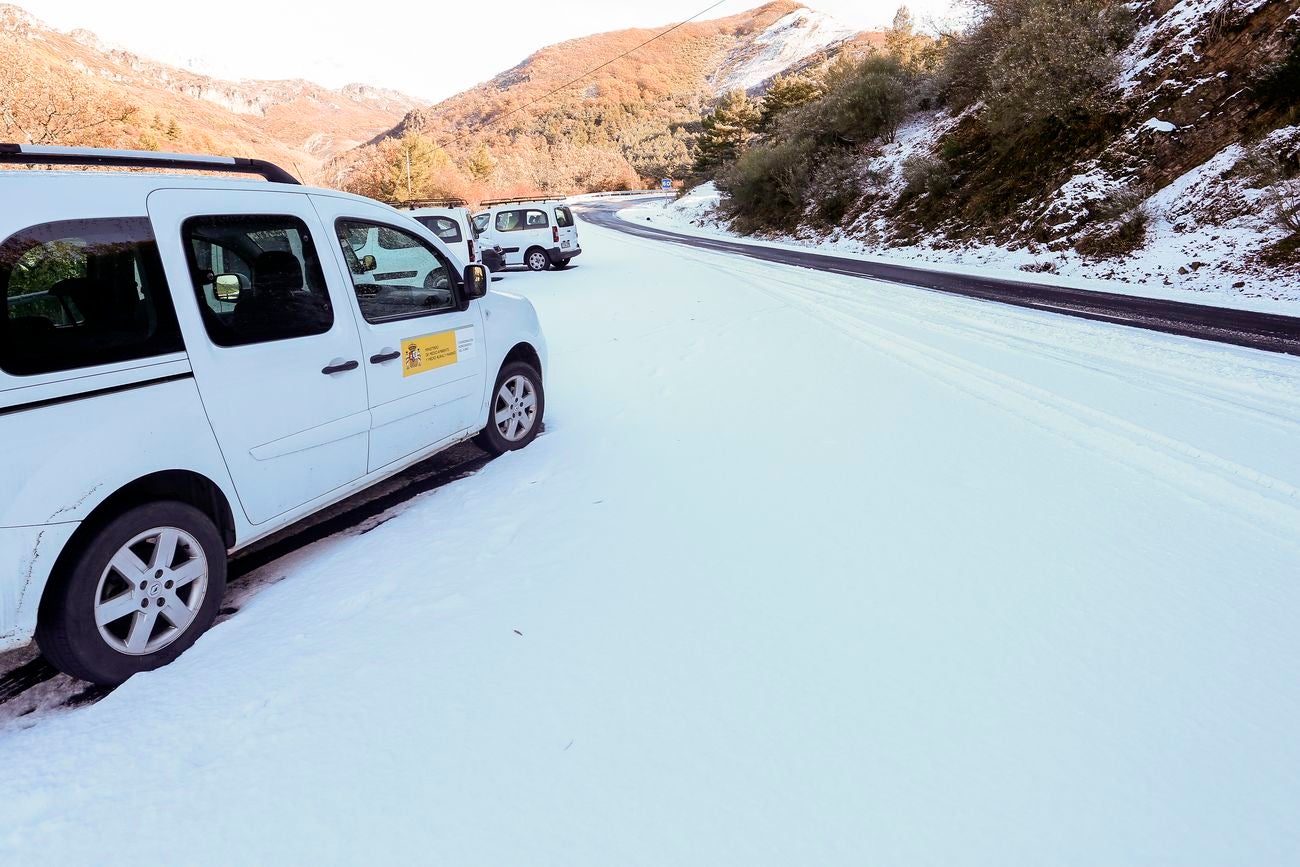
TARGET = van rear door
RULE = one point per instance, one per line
(568, 230)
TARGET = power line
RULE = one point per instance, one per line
(574, 81)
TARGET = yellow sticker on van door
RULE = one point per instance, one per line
(421, 354)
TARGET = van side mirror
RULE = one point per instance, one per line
(368, 264)
(476, 281)
(226, 287)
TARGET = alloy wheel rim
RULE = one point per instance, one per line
(151, 591)
(515, 409)
(537, 261)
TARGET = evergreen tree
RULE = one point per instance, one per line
(725, 133)
(480, 164)
(786, 92)
(413, 168)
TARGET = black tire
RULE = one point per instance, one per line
(66, 629)
(536, 259)
(561, 265)
(494, 440)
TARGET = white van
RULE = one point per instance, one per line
(455, 226)
(538, 234)
(189, 363)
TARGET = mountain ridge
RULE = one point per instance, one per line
(291, 120)
(634, 117)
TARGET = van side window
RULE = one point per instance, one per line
(536, 220)
(398, 281)
(509, 221)
(258, 278)
(80, 293)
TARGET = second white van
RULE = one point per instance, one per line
(538, 234)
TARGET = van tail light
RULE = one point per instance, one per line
(555, 234)
(473, 254)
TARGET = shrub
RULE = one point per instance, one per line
(768, 185)
(1043, 267)
(1274, 169)
(1278, 86)
(923, 173)
(834, 186)
(1284, 203)
(864, 99)
(1034, 61)
(1119, 239)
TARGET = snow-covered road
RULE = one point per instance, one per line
(805, 570)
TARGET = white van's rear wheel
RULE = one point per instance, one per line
(136, 595)
(537, 260)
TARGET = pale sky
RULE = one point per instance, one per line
(431, 50)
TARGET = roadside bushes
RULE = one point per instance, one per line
(1039, 74)
(768, 185)
(1033, 62)
(867, 99)
(864, 99)
(1126, 235)
(923, 173)
(809, 152)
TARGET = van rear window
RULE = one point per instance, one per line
(80, 293)
(563, 217)
(444, 227)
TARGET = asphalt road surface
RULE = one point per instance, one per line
(1270, 332)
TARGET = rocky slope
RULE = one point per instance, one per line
(291, 121)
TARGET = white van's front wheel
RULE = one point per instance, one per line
(516, 409)
(136, 595)
(537, 260)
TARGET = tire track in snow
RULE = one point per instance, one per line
(1253, 497)
(1278, 410)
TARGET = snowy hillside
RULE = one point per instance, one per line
(1187, 177)
(1206, 228)
(794, 37)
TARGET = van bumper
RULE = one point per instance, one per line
(556, 255)
(27, 556)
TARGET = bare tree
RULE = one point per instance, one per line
(44, 105)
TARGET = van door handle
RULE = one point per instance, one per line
(340, 366)
(389, 355)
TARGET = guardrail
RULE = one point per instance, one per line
(615, 194)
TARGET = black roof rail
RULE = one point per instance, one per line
(412, 204)
(50, 155)
(520, 200)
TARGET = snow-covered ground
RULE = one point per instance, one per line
(805, 570)
(1191, 253)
